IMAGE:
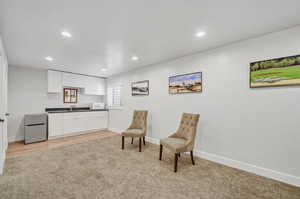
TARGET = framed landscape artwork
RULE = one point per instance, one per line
(140, 88)
(283, 71)
(70, 95)
(187, 83)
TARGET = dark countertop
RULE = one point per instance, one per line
(73, 110)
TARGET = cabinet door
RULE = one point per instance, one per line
(100, 86)
(100, 122)
(95, 86)
(55, 124)
(72, 80)
(73, 122)
(97, 120)
(89, 86)
(70, 123)
(54, 81)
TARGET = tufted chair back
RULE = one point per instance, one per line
(188, 128)
(139, 120)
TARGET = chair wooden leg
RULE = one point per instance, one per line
(132, 140)
(140, 144)
(160, 151)
(144, 140)
(192, 157)
(123, 139)
(175, 162)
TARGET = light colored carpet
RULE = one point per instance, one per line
(100, 169)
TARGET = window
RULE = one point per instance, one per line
(114, 97)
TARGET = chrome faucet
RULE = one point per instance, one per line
(72, 106)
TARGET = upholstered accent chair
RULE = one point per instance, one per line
(183, 139)
(138, 128)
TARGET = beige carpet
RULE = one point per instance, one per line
(100, 169)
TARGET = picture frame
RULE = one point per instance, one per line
(140, 88)
(185, 83)
(70, 95)
(283, 71)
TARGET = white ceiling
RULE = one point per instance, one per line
(106, 33)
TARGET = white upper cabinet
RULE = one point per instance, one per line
(73, 80)
(91, 85)
(94, 86)
(54, 81)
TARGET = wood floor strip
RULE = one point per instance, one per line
(19, 148)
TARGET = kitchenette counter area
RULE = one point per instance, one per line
(75, 120)
(72, 110)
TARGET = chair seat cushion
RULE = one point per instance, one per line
(175, 144)
(133, 133)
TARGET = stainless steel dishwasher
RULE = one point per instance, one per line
(35, 127)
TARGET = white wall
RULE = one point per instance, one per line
(253, 129)
(27, 93)
(56, 100)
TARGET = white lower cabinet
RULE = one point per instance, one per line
(73, 122)
(96, 120)
(55, 125)
(63, 124)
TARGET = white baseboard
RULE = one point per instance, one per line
(268, 173)
(152, 140)
(116, 130)
(15, 139)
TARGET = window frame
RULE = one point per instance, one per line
(111, 102)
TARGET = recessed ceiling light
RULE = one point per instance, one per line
(49, 58)
(134, 58)
(103, 69)
(201, 34)
(66, 34)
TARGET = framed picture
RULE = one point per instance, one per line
(283, 71)
(140, 88)
(186, 83)
(70, 95)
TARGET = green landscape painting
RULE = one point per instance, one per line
(275, 72)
